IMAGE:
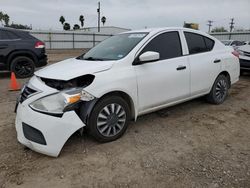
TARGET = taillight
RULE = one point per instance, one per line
(236, 54)
(39, 44)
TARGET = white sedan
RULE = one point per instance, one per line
(121, 78)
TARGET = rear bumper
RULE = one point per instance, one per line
(44, 133)
(244, 64)
(42, 61)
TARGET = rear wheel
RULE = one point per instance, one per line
(109, 119)
(23, 67)
(219, 91)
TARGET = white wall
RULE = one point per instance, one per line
(241, 36)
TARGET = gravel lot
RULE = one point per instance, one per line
(194, 144)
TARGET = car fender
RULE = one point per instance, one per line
(20, 53)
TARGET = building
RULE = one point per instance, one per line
(106, 29)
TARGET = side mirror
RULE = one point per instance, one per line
(149, 56)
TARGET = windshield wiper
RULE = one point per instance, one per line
(93, 59)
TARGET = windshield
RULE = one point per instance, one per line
(115, 47)
(226, 42)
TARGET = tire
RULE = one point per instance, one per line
(219, 91)
(22, 66)
(109, 119)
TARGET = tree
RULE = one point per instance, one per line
(62, 20)
(66, 26)
(4, 18)
(19, 26)
(103, 20)
(76, 27)
(81, 19)
(1, 16)
(219, 29)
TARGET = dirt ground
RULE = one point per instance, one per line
(194, 144)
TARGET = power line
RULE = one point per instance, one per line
(209, 25)
(231, 24)
(99, 12)
(231, 27)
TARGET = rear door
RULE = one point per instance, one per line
(7, 43)
(167, 79)
(205, 64)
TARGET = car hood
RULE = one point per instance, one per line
(72, 68)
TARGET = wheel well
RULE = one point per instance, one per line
(227, 75)
(126, 97)
(13, 55)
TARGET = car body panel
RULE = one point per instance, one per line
(56, 131)
(245, 57)
(77, 68)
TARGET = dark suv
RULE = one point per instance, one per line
(20, 52)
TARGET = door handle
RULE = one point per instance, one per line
(181, 68)
(217, 61)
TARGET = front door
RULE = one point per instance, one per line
(167, 79)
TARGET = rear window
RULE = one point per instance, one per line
(198, 43)
(209, 43)
(7, 35)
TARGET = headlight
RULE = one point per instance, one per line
(56, 103)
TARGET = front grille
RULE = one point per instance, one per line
(26, 93)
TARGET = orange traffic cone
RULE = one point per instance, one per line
(14, 86)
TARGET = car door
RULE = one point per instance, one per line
(7, 43)
(2, 48)
(166, 80)
(205, 64)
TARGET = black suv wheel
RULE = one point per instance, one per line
(23, 66)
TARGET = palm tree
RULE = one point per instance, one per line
(66, 26)
(81, 19)
(76, 27)
(6, 19)
(62, 20)
(104, 20)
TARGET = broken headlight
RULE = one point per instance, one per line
(56, 103)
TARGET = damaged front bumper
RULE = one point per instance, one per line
(41, 132)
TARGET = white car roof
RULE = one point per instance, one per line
(157, 30)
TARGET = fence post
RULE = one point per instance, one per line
(50, 46)
(73, 40)
(93, 39)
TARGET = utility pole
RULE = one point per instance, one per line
(209, 25)
(231, 27)
(99, 12)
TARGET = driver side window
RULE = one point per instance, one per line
(168, 45)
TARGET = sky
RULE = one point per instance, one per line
(132, 14)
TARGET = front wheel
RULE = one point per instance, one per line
(219, 91)
(109, 119)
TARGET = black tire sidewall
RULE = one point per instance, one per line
(92, 123)
(220, 77)
(15, 62)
